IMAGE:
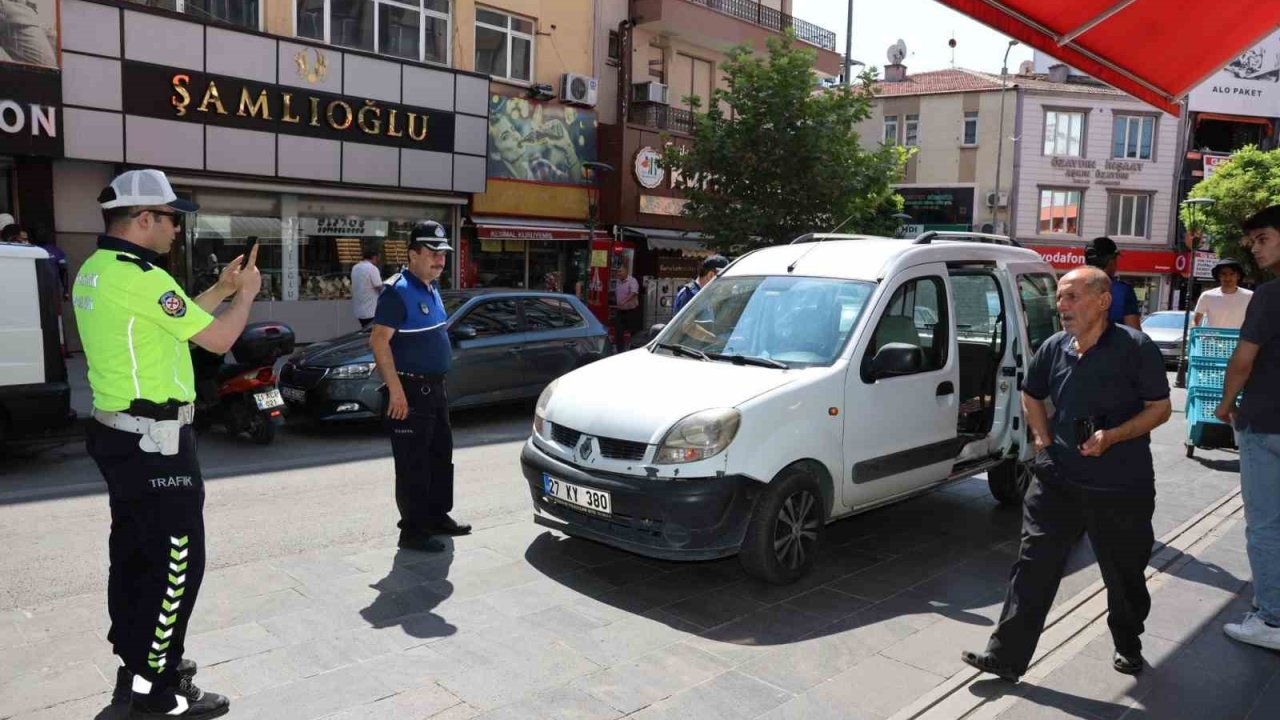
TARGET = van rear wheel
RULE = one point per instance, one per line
(1009, 481)
(785, 527)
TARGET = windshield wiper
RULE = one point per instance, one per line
(751, 360)
(685, 351)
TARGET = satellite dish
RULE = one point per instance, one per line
(1027, 68)
(897, 52)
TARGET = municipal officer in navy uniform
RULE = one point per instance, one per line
(410, 341)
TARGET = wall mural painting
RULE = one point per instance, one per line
(540, 142)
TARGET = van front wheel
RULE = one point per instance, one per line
(782, 536)
(1009, 481)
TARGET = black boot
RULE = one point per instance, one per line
(124, 681)
(200, 705)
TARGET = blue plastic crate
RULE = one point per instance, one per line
(1212, 343)
(1206, 374)
(1200, 407)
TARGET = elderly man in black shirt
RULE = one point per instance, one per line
(1093, 474)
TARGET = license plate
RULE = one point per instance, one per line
(269, 399)
(596, 501)
(293, 394)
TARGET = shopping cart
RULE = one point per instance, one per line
(1208, 351)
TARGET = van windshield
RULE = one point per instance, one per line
(786, 321)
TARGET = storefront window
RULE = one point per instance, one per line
(499, 263)
(545, 271)
(221, 231)
(333, 235)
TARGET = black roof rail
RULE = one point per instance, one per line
(928, 237)
(822, 237)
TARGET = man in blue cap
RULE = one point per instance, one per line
(410, 341)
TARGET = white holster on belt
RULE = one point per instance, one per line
(162, 436)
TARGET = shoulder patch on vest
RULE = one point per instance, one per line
(136, 261)
(173, 304)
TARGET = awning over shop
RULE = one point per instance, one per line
(659, 239)
(495, 228)
(1264, 122)
(1155, 50)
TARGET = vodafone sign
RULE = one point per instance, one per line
(1132, 262)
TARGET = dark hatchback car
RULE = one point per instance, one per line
(507, 345)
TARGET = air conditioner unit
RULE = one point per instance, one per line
(998, 199)
(649, 92)
(578, 89)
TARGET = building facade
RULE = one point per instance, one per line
(1091, 161)
(952, 118)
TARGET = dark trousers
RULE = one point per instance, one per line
(627, 323)
(1054, 514)
(156, 549)
(423, 447)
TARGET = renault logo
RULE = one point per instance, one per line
(585, 449)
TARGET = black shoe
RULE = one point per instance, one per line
(201, 705)
(449, 526)
(422, 544)
(1127, 664)
(124, 681)
(987, 663)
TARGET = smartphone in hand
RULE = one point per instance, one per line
(248, 250)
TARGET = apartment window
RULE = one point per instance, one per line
(692, 77)
(240, 13)
(1059, 212)
(615, 47)
(1064, 133)
(1132, 137)
(504, 45)
(1128, 214)
(911, 135)
(971, 128)
(891, 130)
(410, 29)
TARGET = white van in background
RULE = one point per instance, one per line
(35, 399)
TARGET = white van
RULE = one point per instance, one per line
(809, 382)
(35, 398)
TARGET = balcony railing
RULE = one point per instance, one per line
(754, 12)
(662, 117)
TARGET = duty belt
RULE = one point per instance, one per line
(140, 425)
(427, 378)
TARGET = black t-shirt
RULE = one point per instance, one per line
(1260, 408)
(1110, 385)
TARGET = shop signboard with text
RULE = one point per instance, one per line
(30, 111)
(1248, 85)
(1132, 262)
(936, 208)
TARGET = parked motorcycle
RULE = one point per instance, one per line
(242, 396)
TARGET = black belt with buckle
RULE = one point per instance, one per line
(433, 378)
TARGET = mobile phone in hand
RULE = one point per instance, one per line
(248, 250)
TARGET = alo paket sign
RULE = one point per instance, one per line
(29, 112)
(1132, 262)
(1248, 85)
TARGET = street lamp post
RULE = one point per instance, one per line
(1004, 75)
(848, 48)
(1193, 206)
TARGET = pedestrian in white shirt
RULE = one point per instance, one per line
(1225, 305)
(366, 286)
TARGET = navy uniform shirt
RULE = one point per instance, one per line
(1260, 408)
(1124, 301)
(414, 309)
(1109, 385)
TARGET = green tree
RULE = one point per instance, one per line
(772, 158)
(1247, 183)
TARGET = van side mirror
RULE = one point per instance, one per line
(463, 332)
(896, 359)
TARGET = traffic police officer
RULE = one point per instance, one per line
(135, 322)
(410, 341)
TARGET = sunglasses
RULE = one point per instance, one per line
(174, 217)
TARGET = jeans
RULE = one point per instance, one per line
(1260, 486)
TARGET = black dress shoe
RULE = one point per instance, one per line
(123, 691)
(987, 663)
(199, 705)
(449, 526)
(422, 544)
(1127, 664)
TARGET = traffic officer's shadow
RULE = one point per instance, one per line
(411, 591)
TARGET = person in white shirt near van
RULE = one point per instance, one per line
(366, 286)
(1225, 305)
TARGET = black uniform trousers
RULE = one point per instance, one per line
(423, 447)
(156, 549)
(1054, 514)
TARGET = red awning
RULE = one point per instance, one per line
(1155, 50)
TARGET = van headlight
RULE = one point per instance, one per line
(540, 410)
(699, 436)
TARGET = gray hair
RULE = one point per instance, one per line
(1095, 280)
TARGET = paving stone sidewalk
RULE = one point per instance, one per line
(518, 622)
